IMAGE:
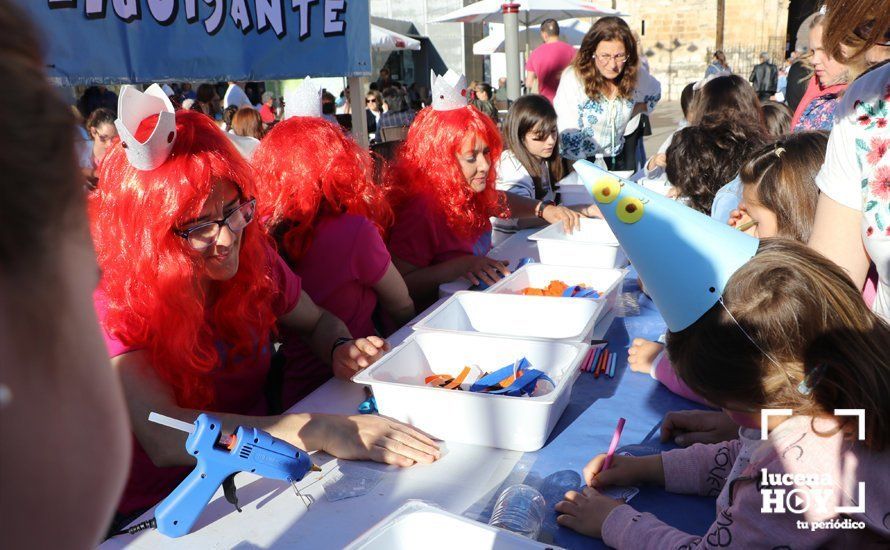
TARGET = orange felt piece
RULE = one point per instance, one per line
(458, 380)
(436, 378)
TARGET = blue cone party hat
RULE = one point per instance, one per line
(683, 257)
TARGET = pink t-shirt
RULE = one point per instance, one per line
(548, 61)
(236, 391)
(346, 259)
(421, 236)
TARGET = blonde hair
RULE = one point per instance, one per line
(810, 326)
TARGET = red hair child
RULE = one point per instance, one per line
(190, 294)
(328, 215)
(444, 194)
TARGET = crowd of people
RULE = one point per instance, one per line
(202, 310)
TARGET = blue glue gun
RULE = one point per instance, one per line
(219, 459)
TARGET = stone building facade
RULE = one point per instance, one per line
(679, 36)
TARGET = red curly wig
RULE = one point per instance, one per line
(427, 165)
(303, 179)
(151, 281)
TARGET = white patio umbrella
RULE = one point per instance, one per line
(385, 40)
(528, 12)
(531, 12)
(572, 32)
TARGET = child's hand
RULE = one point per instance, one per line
(356, 355)
(658, 161)
(586, 512)
(688, 427)
(642, 353)
(485, 269)
(624, 471)
(740, 217)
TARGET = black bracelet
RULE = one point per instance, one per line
(337, 343)
(539, 210)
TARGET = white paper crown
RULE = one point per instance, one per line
(133, 107)
(304, 101)
(449, 91)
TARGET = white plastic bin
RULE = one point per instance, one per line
(417, 524)
(607, 282)
(593, 246)
(514, 315)
(515, 423)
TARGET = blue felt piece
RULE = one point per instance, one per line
(523, 385)
(586, 427)
(586, 293)
(493, 378)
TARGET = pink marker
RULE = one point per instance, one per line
(616, 437)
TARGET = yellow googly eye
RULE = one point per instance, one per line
(606, 190)
(629, 210)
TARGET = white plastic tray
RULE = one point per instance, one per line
(417, 524)
(593, 246)
(514, 315)
(515, 423)
(607, 282)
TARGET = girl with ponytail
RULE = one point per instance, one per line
(791, 332)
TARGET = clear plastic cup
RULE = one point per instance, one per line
(519, 509)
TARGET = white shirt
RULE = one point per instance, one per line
(514, 178)
(235, 96)
(245, 145)
(590, 127)
(856, 172)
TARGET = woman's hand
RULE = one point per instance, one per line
(355, 355)
(588, 211)
(571, 220)
(688, 427)
(658, 161)
(586, 512)
(485, 270)
(371, 437)
(624, 471)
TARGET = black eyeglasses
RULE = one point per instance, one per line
(200, 237)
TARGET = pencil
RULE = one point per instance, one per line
(747, 226)
(612, 365)
(595, 359)
(587, 358)
(616, 437)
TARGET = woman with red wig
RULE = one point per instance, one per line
(190, 295)
(324, 209)
(444, 194)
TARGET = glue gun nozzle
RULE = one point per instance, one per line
(314, 468)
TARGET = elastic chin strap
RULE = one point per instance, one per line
(748, 336)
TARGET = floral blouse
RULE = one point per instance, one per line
(819, 114)
(590, 127)
(856, 172)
